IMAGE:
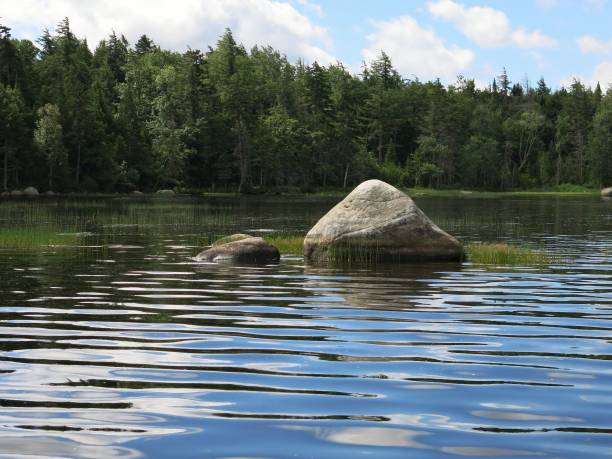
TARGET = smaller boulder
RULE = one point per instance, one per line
(166, 192)
(16, 193)
(5, 194)
(607, 192)
(30, 191)
(240, 248)
(49, 193)
(137, 193)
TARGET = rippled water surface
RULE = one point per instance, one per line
(115, 343)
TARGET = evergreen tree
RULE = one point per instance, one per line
(12, 114)
(600, 144)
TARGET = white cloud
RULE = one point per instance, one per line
(178, 24)
(602, 74)
(488, 27)
(415, 50)
(591, 45)
(314, 7)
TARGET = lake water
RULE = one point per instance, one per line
(114, 344)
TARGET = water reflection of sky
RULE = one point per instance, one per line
(154, 356)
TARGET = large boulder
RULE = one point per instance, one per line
(30, 191)
(376, 221)
(607, 192)
(240, 248)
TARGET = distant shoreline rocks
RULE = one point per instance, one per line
(31, 191)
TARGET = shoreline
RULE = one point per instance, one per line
(412, 192)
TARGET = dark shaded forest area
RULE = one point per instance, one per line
(129, 117)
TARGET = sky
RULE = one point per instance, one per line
(426, 39)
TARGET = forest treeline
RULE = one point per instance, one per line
(127, 117)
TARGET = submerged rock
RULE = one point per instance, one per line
(240, 248)
(166, 192)
(607, 192)
(376, 221)
(30, 191)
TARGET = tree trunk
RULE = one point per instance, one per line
(78, 163)
(5, 177)
(346, 171)
(243, 157)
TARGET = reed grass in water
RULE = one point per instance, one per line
(494, 254)
(33, 237)
(504, 254)
(287, 244)
(501, 254)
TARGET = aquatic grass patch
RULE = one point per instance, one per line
(560, 192)
(35, 237)
(351, 252)
(505, 254)
(287, 244)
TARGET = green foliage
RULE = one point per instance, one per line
(12, 127)
(48, 137)
(423, 165)
(225, 119)
(600, 145)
